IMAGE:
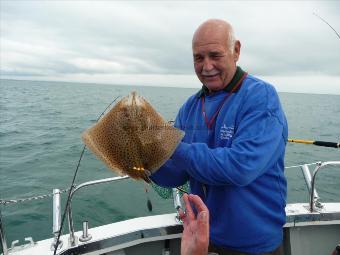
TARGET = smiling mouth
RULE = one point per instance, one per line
(211, 76)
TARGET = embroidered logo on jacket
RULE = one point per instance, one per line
(226, 132)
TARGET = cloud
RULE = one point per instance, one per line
(77, 39)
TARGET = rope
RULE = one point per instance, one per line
(21, 200)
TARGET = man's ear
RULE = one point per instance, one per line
(237, 50)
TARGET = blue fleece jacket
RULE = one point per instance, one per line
(236, 167)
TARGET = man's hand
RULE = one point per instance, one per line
(195, 238)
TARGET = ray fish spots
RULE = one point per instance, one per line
(133, 138)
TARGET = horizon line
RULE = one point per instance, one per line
(147, 85)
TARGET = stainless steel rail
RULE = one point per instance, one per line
(56, 219)
(312, 202)
(308, 179)
(3, 238)
(72, 238)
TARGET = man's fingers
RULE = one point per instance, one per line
(203, 227)
(198, 203)
(203, 220)
(188, 210)
(181, 214)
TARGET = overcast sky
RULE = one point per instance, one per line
(149, 42)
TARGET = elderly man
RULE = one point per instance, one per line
(233, 149)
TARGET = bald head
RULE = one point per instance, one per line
(217, 30)
(215, 53)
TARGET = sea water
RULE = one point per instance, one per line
(40, 144)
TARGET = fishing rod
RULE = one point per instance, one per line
(72, 186)
(317, 143)
(336, 32)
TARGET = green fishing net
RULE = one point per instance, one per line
(166, 193)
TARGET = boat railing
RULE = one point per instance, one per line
(314, 200)
(3, 238)
(310, 179)
(72, 237)
(314, 204)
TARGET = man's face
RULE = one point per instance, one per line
(214, 62)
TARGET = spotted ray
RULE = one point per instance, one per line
(132, 138)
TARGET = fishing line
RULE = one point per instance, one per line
(72, 184)
(327, 24)
(148, 201)
(172, 122)
(182, 190)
